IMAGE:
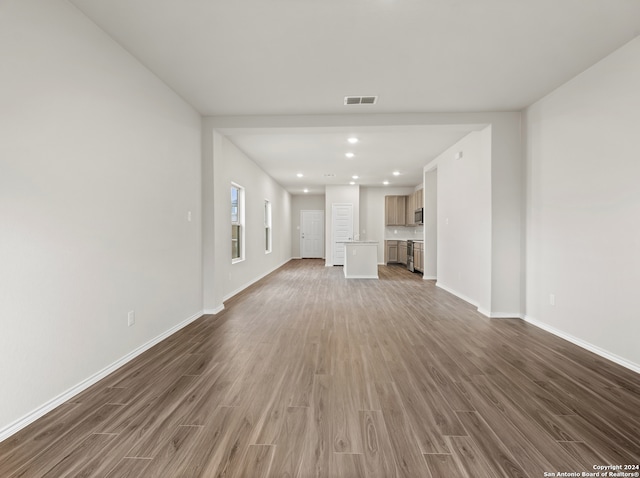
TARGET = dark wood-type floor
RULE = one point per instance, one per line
(307, 374)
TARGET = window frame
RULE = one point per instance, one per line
(268, 227)
(238, 223)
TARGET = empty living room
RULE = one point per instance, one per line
(319, 239)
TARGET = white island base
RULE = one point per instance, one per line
(361, 260)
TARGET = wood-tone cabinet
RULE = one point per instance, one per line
(415, 200)
(419, 198)
(391, 252)
(396, 252)
(395, 210)
(418, 256)
(402, 252)
(411, 207)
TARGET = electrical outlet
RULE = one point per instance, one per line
(189, 216)
(552, 299)
(131, 318)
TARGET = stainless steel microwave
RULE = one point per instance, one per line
(419, 218)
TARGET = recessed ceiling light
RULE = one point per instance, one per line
(352, 182)
(299, 175)
(353, 140)
(306, 190)
(349, 155)
(355, 176)
(396, 173)
(385, 182)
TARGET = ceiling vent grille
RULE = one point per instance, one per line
(360, 100)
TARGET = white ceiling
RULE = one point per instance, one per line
(379, 152)
(301, 57)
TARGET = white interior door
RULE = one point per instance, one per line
(342, 227)
(312, 234)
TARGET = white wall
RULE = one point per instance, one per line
(431, 224)
(464, 219)
(227, 164)
(339, 195)
(306, 202)
(99, 165)
(583, 227)
(372, 227)
(507, 215)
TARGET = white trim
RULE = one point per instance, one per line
(252, 281)
(457, 294)
(585, 345)
(32, 416)
(429, 277)
(296, 258)
(215, 311)
(504, 315)
(485, 312)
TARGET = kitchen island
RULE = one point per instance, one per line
(360, 259)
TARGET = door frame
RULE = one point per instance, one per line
(333, 229)
(302, 211)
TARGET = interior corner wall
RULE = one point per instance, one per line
(230, 165)
(507, 215)
(212, 295)
(99, 168)
(583, 233)
(431, 224)
(306, 202)
(464, 219)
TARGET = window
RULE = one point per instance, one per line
(237, 223)
(267, 227)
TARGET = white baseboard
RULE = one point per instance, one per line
(483, 311)
(429, 277)
(215, 311)
(32, 416)
(456, 293)
(585, 345)
(253, 281)
(503, 315)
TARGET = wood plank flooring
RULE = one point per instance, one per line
(305, 374)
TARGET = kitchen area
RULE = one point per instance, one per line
(404, 230)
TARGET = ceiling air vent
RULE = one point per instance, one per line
(360, 100)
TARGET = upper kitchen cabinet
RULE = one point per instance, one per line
(415, 200)
(395, 210)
